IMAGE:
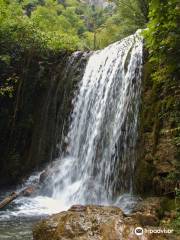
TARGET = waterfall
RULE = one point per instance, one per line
(98, 164)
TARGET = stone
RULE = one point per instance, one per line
(150, 205)
(28, 191)
(43, 177)
(91, 222)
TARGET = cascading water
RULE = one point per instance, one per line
(99, 160)
(98, 164)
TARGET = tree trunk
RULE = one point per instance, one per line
(28, 191)
(8, 199)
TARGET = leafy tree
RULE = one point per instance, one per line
(95, 19)
(131, 15)
(122, 18)
(163, 39)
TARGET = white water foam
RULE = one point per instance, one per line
(98, 166)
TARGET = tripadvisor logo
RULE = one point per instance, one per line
(139, 231)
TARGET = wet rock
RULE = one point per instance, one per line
(28, 191)
(149, 205)
(38, 112)
(91, 223)
(146, 219)
(147, 212)
(156, 172)
(77, 208)
(164, 187)
(43, 177)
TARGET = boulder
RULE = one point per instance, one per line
(92, 222)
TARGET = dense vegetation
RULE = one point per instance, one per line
(46, 25)
(162, 39)
(163, 42)
(69, 24)
(29, 27)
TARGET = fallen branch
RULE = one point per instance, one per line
(26, 192)
(8, 199)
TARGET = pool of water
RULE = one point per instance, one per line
(19, 217)
(17, 228)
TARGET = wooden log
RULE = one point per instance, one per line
(26, 192)
(8, 199)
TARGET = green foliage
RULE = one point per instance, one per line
(40, 26)
(175, 223)
(119, 19)
(61, 25)
(18, 34)
(50, 24)
(29, 28)
(163, 37)
(68, 24)
(131, 15)
(123, 17)
(163, 42)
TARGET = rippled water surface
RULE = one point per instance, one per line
(17, 220)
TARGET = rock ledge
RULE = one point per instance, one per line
(93, 222)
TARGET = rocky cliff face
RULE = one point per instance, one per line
(33, 122)
(158, 168)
